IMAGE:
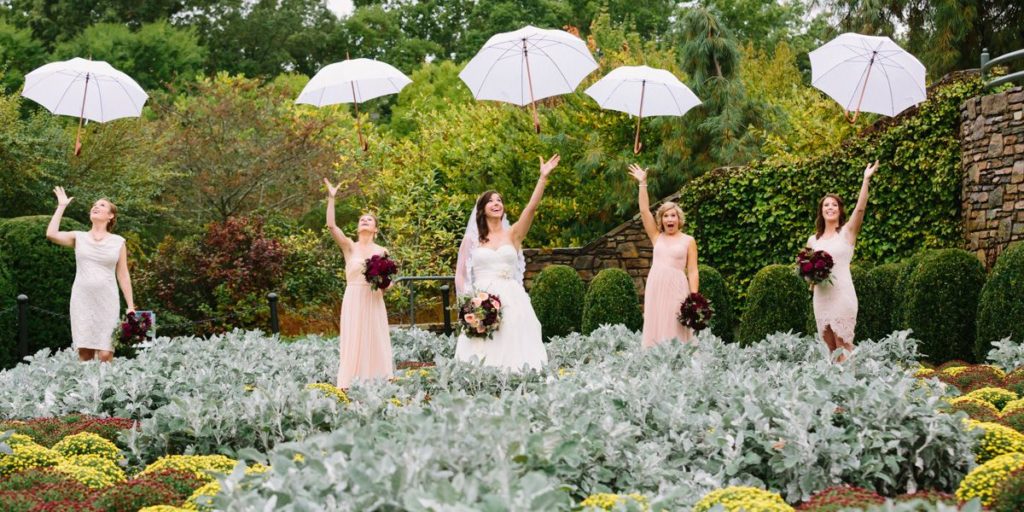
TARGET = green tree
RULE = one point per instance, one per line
(19, 54)
(156, 55)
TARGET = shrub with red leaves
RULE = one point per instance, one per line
(1015, 382)
(840, 497)
(48, 431)
(182, 483)
(17, 501)
(951, 364)
(136, 494)
(226, 271)
(972, 378)
(1014, 420)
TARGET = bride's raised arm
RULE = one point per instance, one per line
(522, 226)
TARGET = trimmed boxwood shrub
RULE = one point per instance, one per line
(42, 270)
(777, 300)
(942, 303)
(713, 287)
(1001, 306)
(557, 297)
(881, 302)
(611, 299)
(8, 319)
(900, 291)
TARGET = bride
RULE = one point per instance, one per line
(491, 260)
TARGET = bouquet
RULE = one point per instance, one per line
(480, 314)
(379, 270)
(696, 312)
(814, 266)
(135, 328)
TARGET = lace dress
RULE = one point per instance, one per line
(835, 303)
(94, 299)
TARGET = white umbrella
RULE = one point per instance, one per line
(353, 81)
(527, 65)
(640, 91)
(868, 74)
(86, 89)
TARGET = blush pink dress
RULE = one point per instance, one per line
(835, 303)
(365, 342)
(667, 287)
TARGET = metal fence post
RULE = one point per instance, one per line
(984, 62)
(275, 325)
(22, 325)
(444, 305)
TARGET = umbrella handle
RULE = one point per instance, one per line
(529, 82)
(359, 125)
(637, 145)
(81, 118)
(863, 89)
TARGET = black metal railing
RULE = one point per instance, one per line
(987, 64)
(445, 289)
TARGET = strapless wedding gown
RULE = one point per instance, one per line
(517, 342)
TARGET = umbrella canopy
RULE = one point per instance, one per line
(90, 89)
(86, 89)
(868, 74)
(527, 65)
(643, 91)
(353, 81)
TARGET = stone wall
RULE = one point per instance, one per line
(992, 149)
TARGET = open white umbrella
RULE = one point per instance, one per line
(86, 89)
(527, 65)
(353, 81)
(868, 74)
(640, 91)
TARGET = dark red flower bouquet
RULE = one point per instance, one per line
(379, 270)
(480, 314)
(814, 266)
(696, 312)
(135, 328)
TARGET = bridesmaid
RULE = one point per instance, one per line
(100, 257)
(673, 275)
(365, 342)
(835, 303)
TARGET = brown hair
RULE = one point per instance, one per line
(113, 211)
(481, 215)
(819, 223)
(665, 207)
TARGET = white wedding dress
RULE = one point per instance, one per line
(517, 342)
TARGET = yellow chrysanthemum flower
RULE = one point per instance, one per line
(998, 397)
(743, 499)
(87, 443)
(199, 465)
(1013, 406)
(330, 390)
(998, 440)
(984, 481)
(107, 467)
(606, 501)
(970, 400)
(163, 508)
(200, 499)
(28, 456)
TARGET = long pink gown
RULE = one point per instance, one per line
(667, 287)
(835, 303)
(365, 342)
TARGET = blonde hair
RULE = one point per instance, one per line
(376, 221)
(664, 208)
(113, 211)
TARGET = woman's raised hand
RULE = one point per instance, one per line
(870, 169)
(332, 190)
(547, 167)
(638, 173)
(62, 197)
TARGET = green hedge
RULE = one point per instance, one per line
(777, 300)
(611, 299)
(902, 286)
(942, 304)
(747, 217)
(880, 303)
(1001, 306)
(8, 319)
(45, 272)
(713, 287)
(557, 297)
